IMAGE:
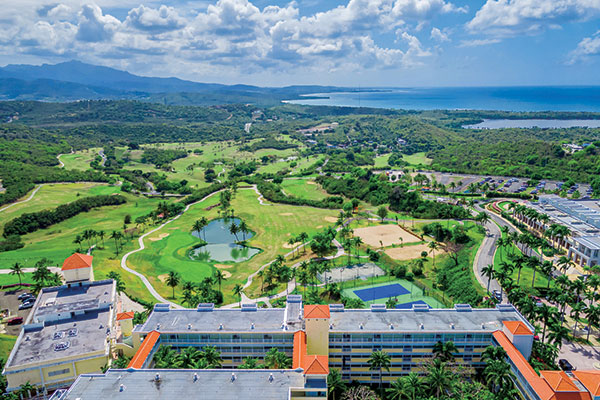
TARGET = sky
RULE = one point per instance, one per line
(389, 43)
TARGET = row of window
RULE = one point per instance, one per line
(410, 337)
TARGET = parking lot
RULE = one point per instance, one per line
(8, 299)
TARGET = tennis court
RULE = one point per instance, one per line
(408, 306)
(381, 292)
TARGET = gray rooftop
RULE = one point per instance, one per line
(436, 320)
(78, 316)
(186, 384)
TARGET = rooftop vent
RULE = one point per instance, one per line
(195, 377)
(252, 326)
(377, 307)
(220, 327)
(360, 326)
(158, 326)
(121, 387)
(72, 332)
(421, 326)
(336, 308)
(463, 307)
(294, 298)
(189, 326)
(161, 307)
(58, 335)
(206, 307)
(62, 346)
(391, 326)
(420, 307)
(452, 325)
(271, 378)
(482, 326)
(157, 377)
(505, 307)
(232, 377)
(330, 326)
(249, 307)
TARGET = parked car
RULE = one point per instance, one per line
(15, 321)
(497, 294)
(23, 296)
(565, 365)
(26, 305)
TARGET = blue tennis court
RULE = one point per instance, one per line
(408, 306)
(381, 292)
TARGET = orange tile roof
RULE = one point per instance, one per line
(543, 387)
(589, 379)
(76, 261)
(559, 381)
(125, 315)
(311, 364)
(139, 359)
(316, 311)
(517, 328)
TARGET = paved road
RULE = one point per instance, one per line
(23, 201)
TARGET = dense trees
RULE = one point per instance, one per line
(31, 222)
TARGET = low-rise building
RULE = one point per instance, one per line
(66, 334)
(78, 268)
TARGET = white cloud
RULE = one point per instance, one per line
(148, 19)
(438, 35)
(589, 46)
(513, 17)
(478, 42)
(95, 26)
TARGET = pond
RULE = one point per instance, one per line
(221, 246)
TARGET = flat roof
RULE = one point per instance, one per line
(436, 320)
(186, 384)
(591, 242)
(77, 315)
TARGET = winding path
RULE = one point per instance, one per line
(141, 247)
(23, 201)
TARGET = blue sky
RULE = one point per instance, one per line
(349, 43)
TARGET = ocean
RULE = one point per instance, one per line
(547, 98)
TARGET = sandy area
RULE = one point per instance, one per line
(289, 246)
(226, 274)
(223, 266)
(311, 182)
(163, 277)
(386, 234)
(409, 252)
(286, 214)
(160, 237)
(319, 227)
(331, 219)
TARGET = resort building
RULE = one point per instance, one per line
(78, 268)
(582, 217)
(319, 338)
(67, 333)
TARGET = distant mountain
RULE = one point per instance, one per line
(74, 80)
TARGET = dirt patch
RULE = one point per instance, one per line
(223, 266)
(289, 246)
(385, 235)
(319, 227)
(330, 219)
(160, 237)
(226, 274)
(311, 182)
(286, 214)
(163, 277)
(409, 252)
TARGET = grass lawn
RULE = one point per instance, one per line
(415, 294)
(382, 161)
(417, 158)
(6, 344)
(303, 188)
(7, 279)
(80, 159)
(273, 226)
(53, 195)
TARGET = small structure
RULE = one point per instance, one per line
(78, 268)
(125, 320)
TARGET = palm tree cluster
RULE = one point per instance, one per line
(204, 291)
(242, 228)
(276, 272)
(188, 358)
(301, 238)
(274, 359)
(199, 226)
(88, 236)
(575, 298)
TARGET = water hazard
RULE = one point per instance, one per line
(221, 243)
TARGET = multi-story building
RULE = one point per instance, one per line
(319, 338)
(582, 217)
(66, 334)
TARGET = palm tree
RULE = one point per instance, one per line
(188, 357)
(380, 360)
(204, 223)
(534, 263)
(101, 236)
(234, 229)
(237, 291)
(197, 226)
(498, 375)
(173, 280)
(576, 310)
(433, 245)
(489, 272)
(592, 313)
(117, 237)
(275, 359)
(249, 363)
(244, 229)
(17, 269)
(439, 378)
(78, 241)
(303, 238)
(416, 386)
(445, 351)
(398, 390)
(335, 384)
(212, 357)
(219, 277)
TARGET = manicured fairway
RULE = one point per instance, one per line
(303, 188)
(80, 159)
(6, 344)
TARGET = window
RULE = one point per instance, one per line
(59, 372)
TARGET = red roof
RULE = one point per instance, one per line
(316, 311)
(589, 379)
(77, 261)
(311, 364)
(125, 315)
(559, 381)
(517, 328)
(139, 359)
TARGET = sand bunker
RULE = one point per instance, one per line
(286, 214)
(290, 246)
(160, 237)
(163, 277)
(409, 252)
(331, 219)
(223, 266)
(385, 235)
(311, 182)
(226, 274)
